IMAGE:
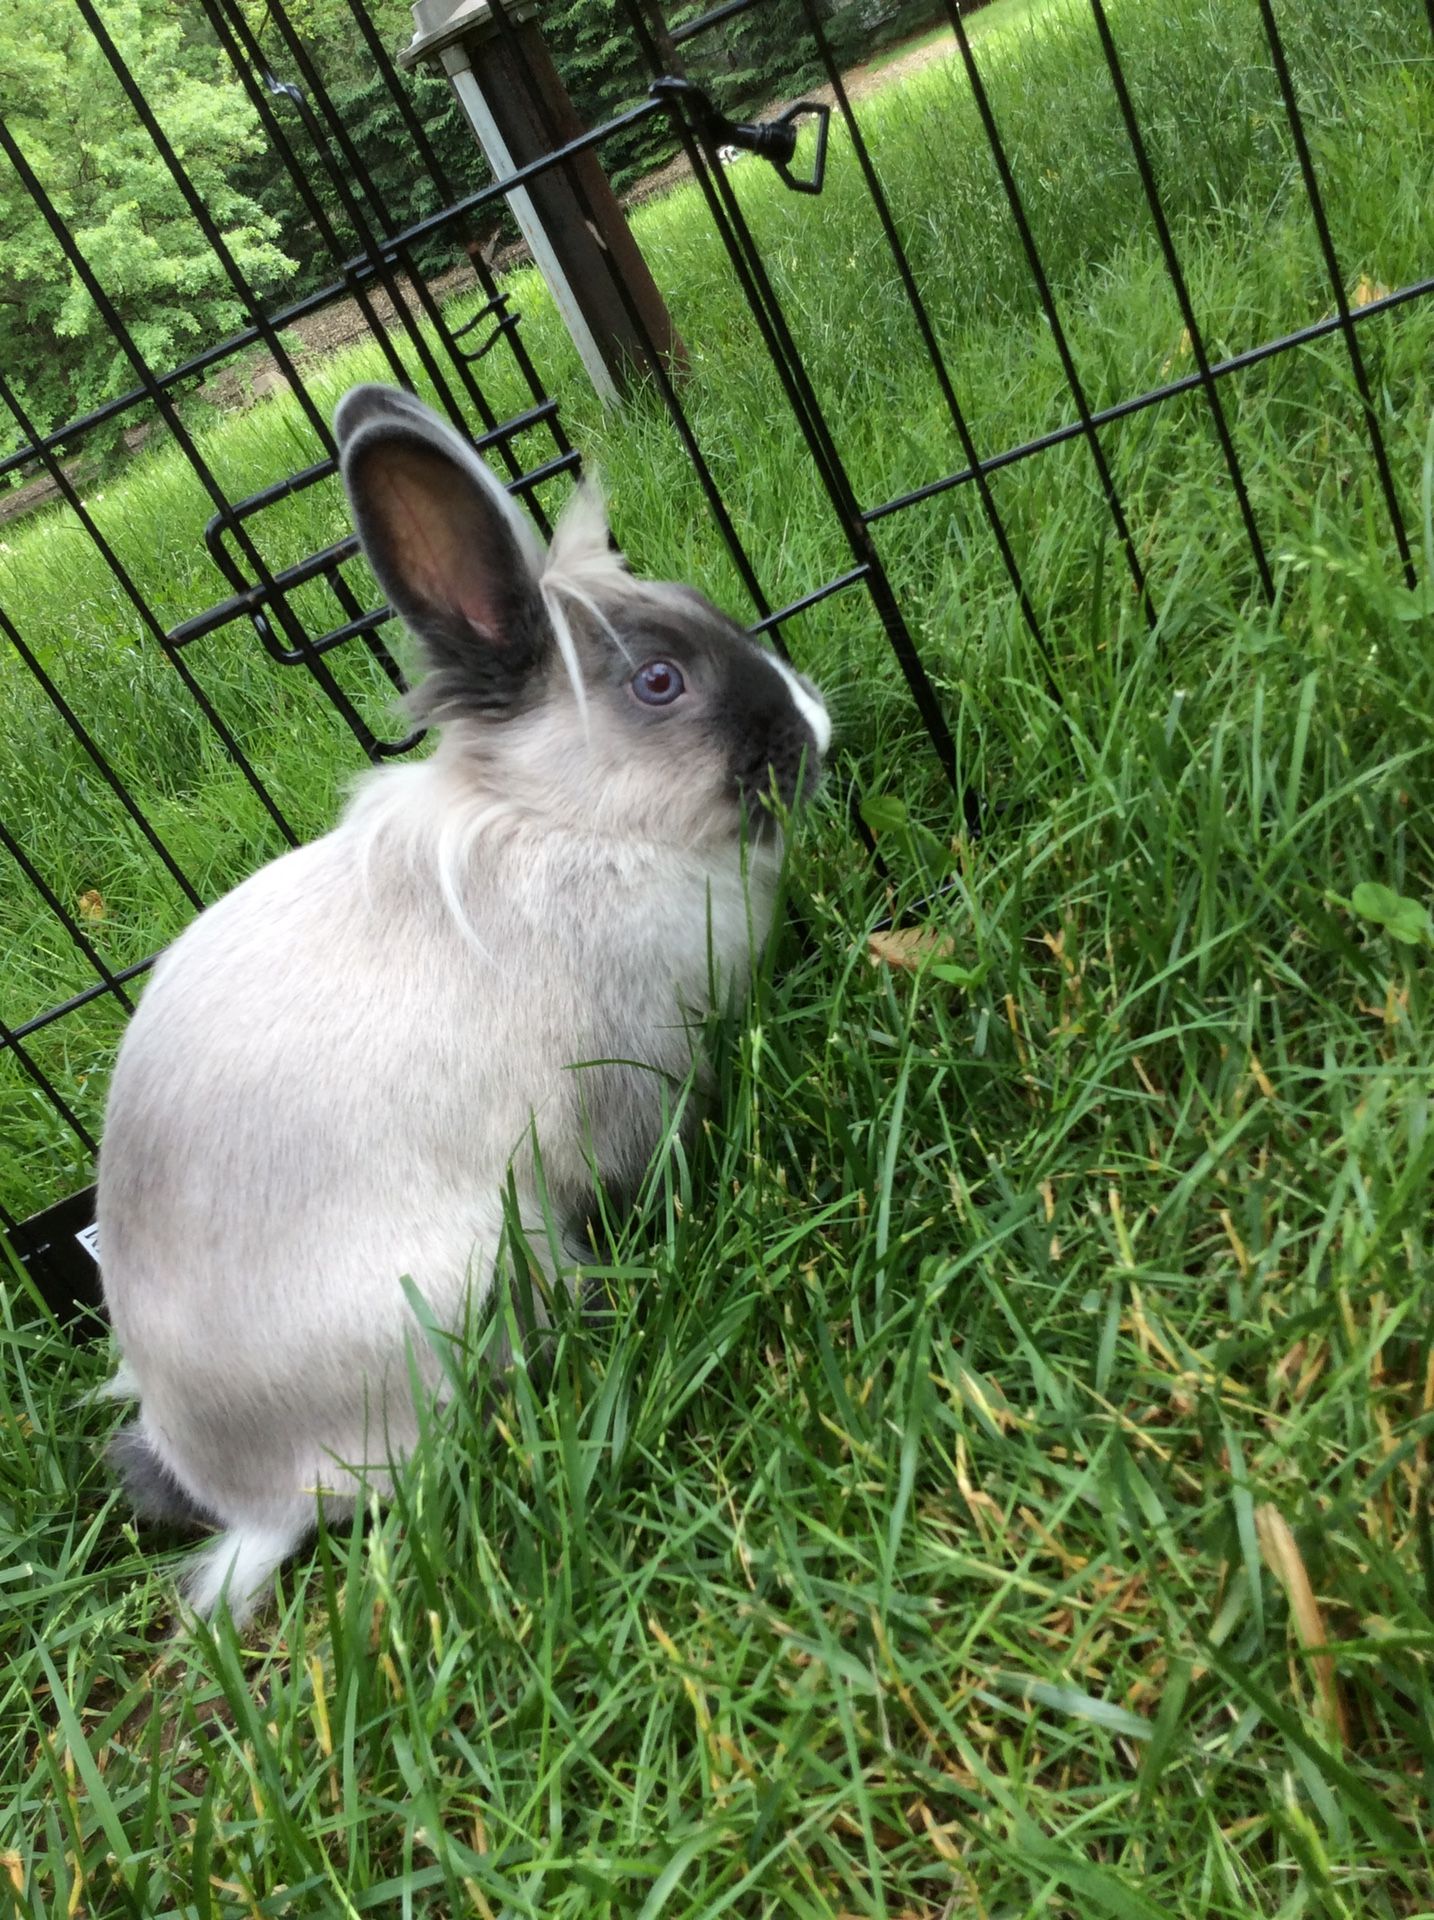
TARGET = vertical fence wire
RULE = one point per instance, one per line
(247, 63)
(438, 173)
(252, 306)
(946, 385)
(324, 123)
(771, 318)
(199, 211)
(1180, 286)
(372, 242)
(170, 415)
(761, 296)
(399, 94)
(98, 759)
(1315, 197)
(1076, 387)
(61, 912)
(168, 411)
(667, 386)
(12, 1044)
(294, 629)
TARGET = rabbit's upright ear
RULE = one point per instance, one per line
(457, 559)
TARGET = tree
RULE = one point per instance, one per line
(68, 115)
(358, 89)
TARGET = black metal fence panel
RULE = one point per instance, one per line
(248, 588)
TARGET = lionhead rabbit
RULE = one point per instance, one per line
(333, 1071)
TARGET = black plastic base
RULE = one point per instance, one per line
(57, 1250)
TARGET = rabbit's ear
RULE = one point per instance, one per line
(457, 559)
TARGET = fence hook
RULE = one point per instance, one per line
(775, 140)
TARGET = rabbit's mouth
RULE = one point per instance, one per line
(767, 799)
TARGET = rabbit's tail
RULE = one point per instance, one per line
(237, 1567)
(121, 1385)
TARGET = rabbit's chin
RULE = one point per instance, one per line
(561, 771)
(761, 830)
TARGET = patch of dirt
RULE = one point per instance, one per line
(254, 376)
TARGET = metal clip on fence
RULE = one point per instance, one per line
(775, 140)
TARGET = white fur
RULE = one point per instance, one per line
(121, 1385)
(807, 703)
(323, 1089)
(239, 1564)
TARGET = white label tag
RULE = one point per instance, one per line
(89, 1239)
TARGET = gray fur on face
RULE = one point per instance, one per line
(333, 1072)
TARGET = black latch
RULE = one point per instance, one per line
(775, 140)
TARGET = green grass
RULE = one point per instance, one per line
(995, 17)
(1000, 1485)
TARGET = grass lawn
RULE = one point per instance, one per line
(1001, 1484)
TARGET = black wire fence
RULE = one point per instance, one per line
(373, 266)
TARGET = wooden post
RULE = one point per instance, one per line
(519, 110)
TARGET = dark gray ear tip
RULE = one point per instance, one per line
(369, 402)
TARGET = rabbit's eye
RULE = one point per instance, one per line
(657, 683)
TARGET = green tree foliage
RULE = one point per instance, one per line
(403, 184)
(84, 141)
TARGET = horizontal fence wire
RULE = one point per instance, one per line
(370, 259)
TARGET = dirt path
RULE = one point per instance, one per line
(236, 387)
